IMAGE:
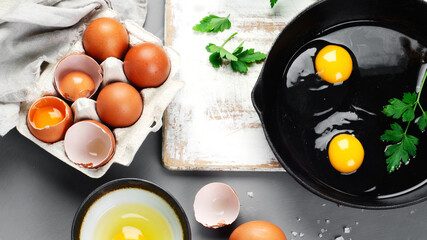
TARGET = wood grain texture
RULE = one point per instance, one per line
(211, 124)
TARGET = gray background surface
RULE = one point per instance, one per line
(39, 194)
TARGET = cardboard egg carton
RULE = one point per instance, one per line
(128, 139)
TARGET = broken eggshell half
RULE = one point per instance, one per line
(216, 205)
(87, 77)
(49, 133)
(89, 144)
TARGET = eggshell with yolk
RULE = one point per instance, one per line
(54, 133)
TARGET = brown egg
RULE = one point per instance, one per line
(119, 105)
(49, 118)
(257, 230)
(89, 144)
(147, 65)
(105, 37)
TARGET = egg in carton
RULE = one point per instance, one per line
(127, 139)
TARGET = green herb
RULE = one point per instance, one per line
(404, 145)
(272, 3)
(240, 58)
(213, 23)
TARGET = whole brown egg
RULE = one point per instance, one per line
(257, 230)
(147, 65)
(105, 37)
(119, 105)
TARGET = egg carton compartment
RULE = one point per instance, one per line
(128, 139)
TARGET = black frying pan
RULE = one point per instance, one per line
(289, 135)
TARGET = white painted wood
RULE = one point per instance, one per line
(211, 124)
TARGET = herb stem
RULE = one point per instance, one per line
(228, 39)
(421, 88)
(419, 104)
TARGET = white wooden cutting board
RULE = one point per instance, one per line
(211, 124)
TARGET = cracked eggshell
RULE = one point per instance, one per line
(50, 134)
(77, 63)
(89, 144)
(216, 205)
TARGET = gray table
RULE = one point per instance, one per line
(40, 194)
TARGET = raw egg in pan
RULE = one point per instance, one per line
(89, 144)
(119, 105)
(346, 153)
(49, 118)
(216, 205)
(77, 76)
(333, 64)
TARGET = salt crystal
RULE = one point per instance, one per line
(339, 238)
(347, 229)
(327, 221)
(251, 194)
(294, 234)
(301, 235)
(320, 235)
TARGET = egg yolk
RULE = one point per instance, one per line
(47, 116)
(129, 233)
(346, 153)
(333, 64)
(76, 85)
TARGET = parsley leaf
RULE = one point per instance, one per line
(272, 3)
(239, 58)
(401, 152)
(422, 122)
(404, 145)
(246, 57)
(395, 135)
(401, 108)
(213, 23)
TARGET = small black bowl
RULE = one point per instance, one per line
(290, 133)
(129, 183)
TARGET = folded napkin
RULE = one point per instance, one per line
(37, 32)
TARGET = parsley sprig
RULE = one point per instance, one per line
(240, 59)
(213, 23)
(404, 145)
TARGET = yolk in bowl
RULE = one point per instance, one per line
(346, 153)
(47, 116)
(333, 64)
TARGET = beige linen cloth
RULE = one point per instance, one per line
(34, 33)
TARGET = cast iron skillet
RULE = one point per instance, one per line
(285, 134)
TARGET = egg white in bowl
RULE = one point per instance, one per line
(130, 209)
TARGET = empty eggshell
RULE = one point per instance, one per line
(216, 205)
(113, 71)
(72, 64)
(52, 130)
(85, 109)
(89, 144)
